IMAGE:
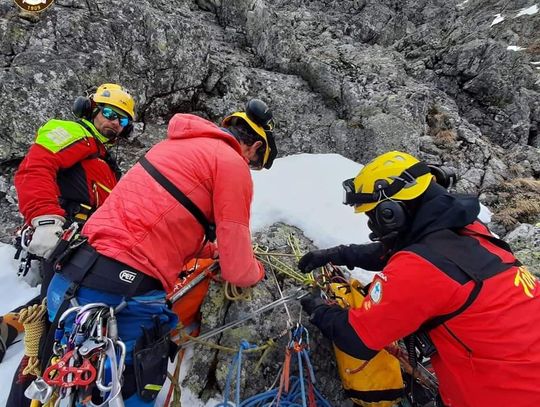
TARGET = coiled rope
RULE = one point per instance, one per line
(33, 320)
(235, 293)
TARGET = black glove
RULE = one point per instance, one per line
(317, 258)
(371, 256)
(312, 301)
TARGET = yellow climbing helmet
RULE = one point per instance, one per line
(114, 95)
(254, 126)
(260, 118)
(394, 175)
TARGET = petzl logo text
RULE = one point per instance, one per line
(127, 276)
(34, 5)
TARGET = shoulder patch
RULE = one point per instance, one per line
(376, 292)
(56, 135)
(59, 136)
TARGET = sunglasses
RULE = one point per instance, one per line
(110, 114)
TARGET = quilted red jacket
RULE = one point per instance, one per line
(143, 226)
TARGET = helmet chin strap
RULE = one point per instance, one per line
(388, 238)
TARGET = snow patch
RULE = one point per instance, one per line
(514, 48)
(529, 11)
(498, 18)
(485, 214)
(303, 190)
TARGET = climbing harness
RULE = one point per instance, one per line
(88, 359)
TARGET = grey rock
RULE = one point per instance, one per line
(354, 77)
(525, 241)
(210, 366)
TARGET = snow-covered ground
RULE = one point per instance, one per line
(302, 190)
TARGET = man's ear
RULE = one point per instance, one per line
(255, 146)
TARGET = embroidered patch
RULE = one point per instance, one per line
(59, 136)
(376, 292)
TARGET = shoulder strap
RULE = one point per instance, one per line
(462, 259)
(441, 319)
(209, 228)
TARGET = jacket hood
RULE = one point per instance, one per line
(438, 210)
(186, 126)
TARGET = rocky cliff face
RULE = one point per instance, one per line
(445, 80)
(455, 82)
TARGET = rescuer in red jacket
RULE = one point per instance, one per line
(66, 175)
(68, 172)
(143, 226)
(189, 189)
(445, 279)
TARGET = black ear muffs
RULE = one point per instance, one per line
(390, 216)
(82, 107)
(444, 176)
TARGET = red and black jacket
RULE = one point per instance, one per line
(50, 182)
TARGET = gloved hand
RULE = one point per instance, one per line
(312, 301)
(317, 258)
(371, 256)
(47, 232)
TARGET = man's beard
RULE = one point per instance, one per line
(110, 134)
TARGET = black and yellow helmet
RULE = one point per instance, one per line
(259, 118)
(395, 175)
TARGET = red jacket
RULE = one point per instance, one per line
(143, 226)
(489, 355)
(65, 162)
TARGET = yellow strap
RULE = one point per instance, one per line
(99, 184)
(155, 387)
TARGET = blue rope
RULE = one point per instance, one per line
(235, 363)
(296, 397)
(291, 399)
